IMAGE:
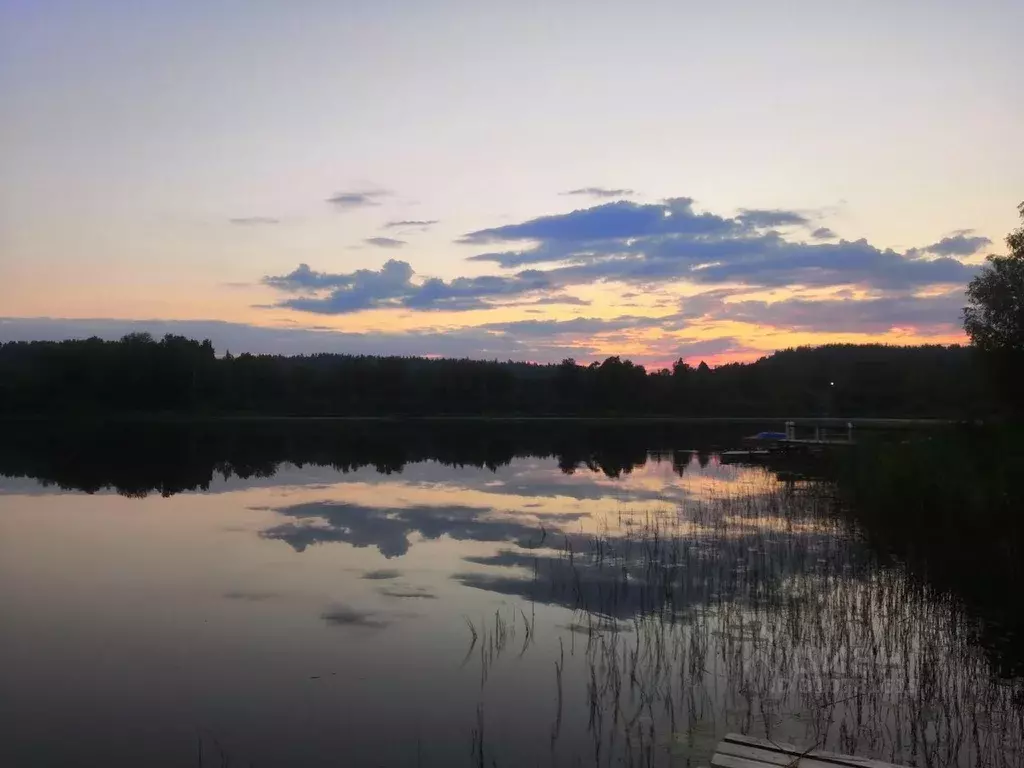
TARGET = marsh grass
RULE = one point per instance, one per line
(762, 611)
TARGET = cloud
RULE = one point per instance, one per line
(303, 278)
(385, 242)
(941, 312)
(551, 577)
(392, 286)
(703, 304)
(707, 347)
(254, 221)
(349, 200)
(641, 248)
(419, 593)
(762, 260)
(960, 244)
(559, 298)
(382, 574)
(648, 244)
(600, 192)
(580, 326)
(644, 245)
(611, 221)
(771, 218)
(346, 616)
(388, 529)
(409, 223)
(770, 260)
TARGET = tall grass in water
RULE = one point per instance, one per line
(762, 612)
(950, 505)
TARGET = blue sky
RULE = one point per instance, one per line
(653, 179)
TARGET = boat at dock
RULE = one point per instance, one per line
(793, 439)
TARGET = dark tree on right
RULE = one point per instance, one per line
(994, 317)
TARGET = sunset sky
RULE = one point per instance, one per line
(505, 180)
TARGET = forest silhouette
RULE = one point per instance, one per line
(139, 374)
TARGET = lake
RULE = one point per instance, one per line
(506, 593)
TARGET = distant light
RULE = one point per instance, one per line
(831, 383)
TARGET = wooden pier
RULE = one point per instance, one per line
(737, 751)
(822, 435)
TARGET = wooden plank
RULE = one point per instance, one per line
(731, 761)
(786, 753)
(766, 758)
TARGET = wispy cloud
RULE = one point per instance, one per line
(411, 223)
(600, 192)
(418, 593)
(360, 199)
(385, 242)
(823, 233)
(559, 298)
(579, 326)
(254, 221)
(763, 219)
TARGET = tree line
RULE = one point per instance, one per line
(165, 457)
(140, 374)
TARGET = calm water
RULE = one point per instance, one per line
(573, 599)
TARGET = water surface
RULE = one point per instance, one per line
(591, 599)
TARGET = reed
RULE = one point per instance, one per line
(764, 611)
